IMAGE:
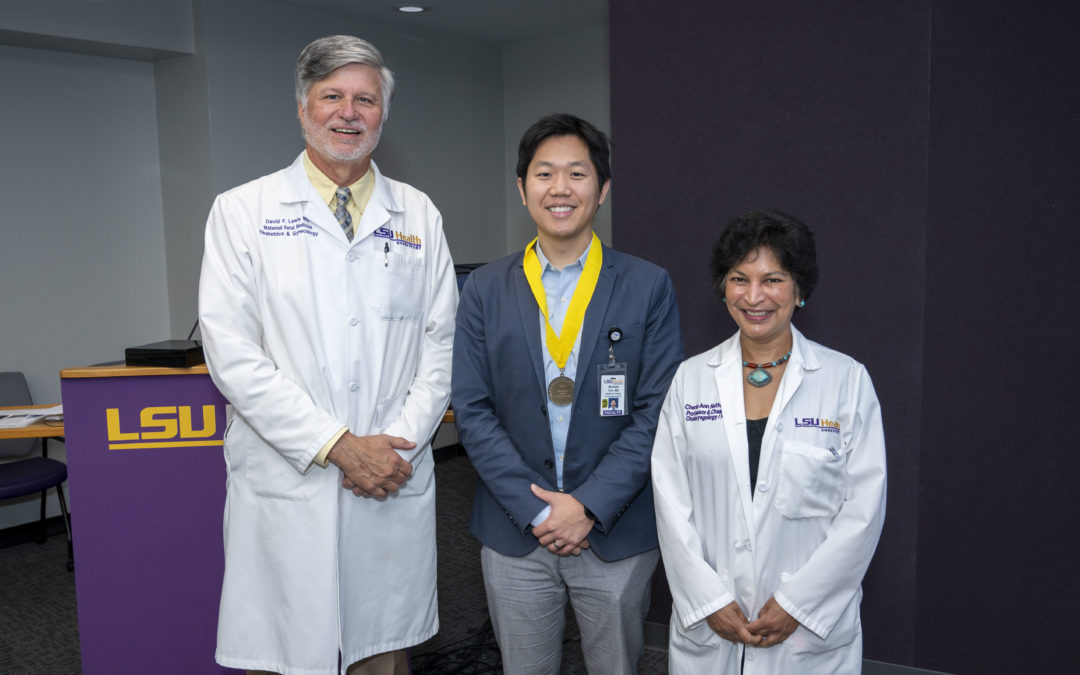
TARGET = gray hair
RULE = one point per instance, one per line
(325, 55)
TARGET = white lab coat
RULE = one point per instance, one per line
(809, 532)
(305, 332)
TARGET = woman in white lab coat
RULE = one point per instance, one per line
(769, 475)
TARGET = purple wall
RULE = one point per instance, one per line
(998, 534)
(920, 141)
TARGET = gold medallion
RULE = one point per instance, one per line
(561, 391)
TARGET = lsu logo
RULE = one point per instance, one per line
(165, 427)
(819, 423)
(410, 240)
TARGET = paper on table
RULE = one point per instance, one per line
(13, 418)
(51, 410)
(16, 421)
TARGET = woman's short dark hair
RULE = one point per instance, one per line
(790, 241)
(562, 124)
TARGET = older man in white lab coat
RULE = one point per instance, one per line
(327, 304)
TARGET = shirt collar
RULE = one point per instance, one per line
(327, 189)
(546, 265)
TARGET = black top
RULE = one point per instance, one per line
(755, 429)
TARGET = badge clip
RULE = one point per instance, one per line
(614, 334)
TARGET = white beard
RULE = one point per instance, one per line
(322, 139)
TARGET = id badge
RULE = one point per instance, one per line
(612, 389)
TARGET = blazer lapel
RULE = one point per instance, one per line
(529, 315)
(594, 317)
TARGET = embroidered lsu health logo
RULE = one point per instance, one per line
(703, 412)
(400, 238)
(818, 423)
(165, 427)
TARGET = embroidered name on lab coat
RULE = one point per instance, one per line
(703, 412)
(287, 227)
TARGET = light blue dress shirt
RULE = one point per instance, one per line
(559, 286)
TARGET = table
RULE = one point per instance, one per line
(38, 429)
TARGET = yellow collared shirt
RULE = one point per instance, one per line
(361, 190)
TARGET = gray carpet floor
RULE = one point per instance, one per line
(39, 631)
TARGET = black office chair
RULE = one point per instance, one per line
(34, 474)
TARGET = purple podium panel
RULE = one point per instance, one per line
(146, 476)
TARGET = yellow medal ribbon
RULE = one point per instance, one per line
(560, 346)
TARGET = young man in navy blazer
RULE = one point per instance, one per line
(562, 357)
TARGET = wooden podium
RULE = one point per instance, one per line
(146, 477)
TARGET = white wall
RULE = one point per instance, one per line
(82, 263)
(186, 188)
(565, 73)
(439, 136)
(138, 28)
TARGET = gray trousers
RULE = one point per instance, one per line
(527, 600)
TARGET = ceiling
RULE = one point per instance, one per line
(497, 21)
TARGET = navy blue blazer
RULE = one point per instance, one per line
(499, 396)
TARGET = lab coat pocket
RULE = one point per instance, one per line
(705, 652)
(699, 635)
(226, 444)
(844, 632)
(403, 296)
(267, 472)
(386, 412)
(811, 481)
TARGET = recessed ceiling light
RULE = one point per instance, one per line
(411, 9)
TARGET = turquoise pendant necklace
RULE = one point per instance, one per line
(758, 377)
